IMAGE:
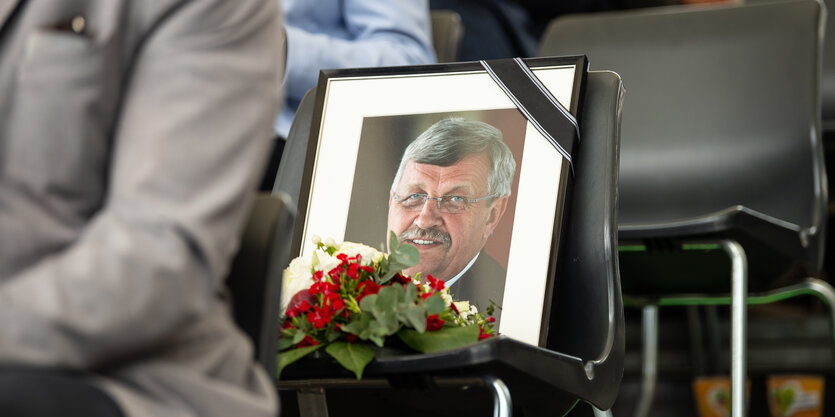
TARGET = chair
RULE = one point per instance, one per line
(583, 359)
(722, 185)
(828, 75)
(447, 32)
(254, 279)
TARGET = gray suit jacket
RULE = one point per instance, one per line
(131, 134)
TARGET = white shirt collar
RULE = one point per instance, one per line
(466, 268)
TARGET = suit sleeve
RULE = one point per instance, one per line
(385, 33)
(188, 147)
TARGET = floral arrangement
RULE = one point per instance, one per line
(350, 297)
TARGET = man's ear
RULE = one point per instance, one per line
(391, 197)
(497, 209)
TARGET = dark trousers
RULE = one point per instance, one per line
(39, 393)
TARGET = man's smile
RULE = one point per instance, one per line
(421, 242)
(426, 238)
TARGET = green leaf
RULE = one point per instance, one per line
(409, 294)
(284, 343)
(401, 256)
(407, 256)
(289, 356)
(415, 317)
(393, 242)
(377, 340)
(383, 307)
(368, 302)
(353, 356)
(434, 304)
(358, 324)
(387, 298)
(298, 337)
(377, 332)
(333, 334)
(388, 275)
(444, 339)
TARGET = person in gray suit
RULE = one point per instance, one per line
(449, 194)
(132, 134)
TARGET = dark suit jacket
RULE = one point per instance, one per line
(480, 284)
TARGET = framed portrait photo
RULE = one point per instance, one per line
(469, 162)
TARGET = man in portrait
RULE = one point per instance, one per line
(449, 194)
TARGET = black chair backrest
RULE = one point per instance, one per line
(447, 32)
(254, 279)
(828, 74)
(290, 170)
(587, 312)
(722, 113)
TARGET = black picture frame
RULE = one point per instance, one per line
(364, 118)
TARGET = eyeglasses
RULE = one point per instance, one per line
(446, 204)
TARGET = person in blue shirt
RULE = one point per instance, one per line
(329, 34)
(332, 34)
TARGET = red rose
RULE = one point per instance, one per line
(402, 279)
(352, 271)
(334, 300)
(307, 341)
(435, 283)
(482, 335)
(320, 316)
(433, 323)
(367, 288)
(296, 301)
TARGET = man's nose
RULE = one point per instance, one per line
(429, 215)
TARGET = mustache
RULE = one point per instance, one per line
(415, 232)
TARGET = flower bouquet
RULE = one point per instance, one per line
(350, 297)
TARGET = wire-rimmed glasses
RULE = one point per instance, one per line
(446, 204)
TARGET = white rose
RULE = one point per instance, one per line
(325, 262)
(446, 297)
(367, 253)
(297, 277)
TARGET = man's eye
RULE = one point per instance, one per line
(456, 199)
(412, 200)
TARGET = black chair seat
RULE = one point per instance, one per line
(650, 251)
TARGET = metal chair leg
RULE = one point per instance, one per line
(501, 396)
(601, 413)
(739, 308)
(649, 327)
(826, 293)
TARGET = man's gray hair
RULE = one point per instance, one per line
(448, 141)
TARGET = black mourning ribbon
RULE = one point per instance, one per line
(536, 103)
